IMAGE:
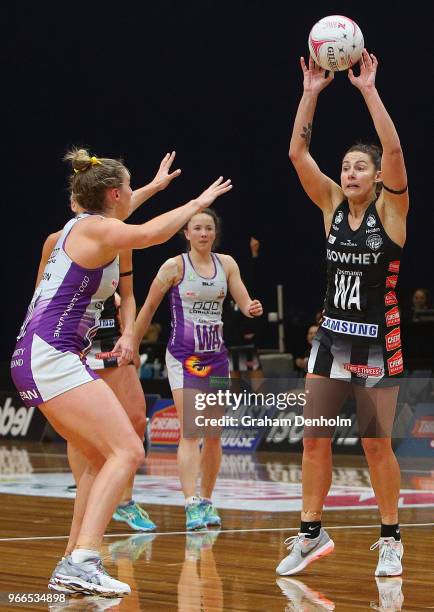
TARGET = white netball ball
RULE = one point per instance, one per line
(336, 43)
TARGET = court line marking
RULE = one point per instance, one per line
(166, 533)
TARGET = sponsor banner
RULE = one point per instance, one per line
(284, 438)
(393, 317)
(395, 363)
(390, 299)
(17, 422)
(394, 266)
(391, 281)
(393, 339)
(419, 440)
(164, 424)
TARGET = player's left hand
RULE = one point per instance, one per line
(164, 177)
(368, 69)
(125, 348)
(255, 308)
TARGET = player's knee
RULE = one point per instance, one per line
(316, 445)
(376, 447)
(134, 453)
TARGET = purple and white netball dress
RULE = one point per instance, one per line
(196, 350)
(61, 320)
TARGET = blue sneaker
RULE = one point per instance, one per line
(134, 516)
(194, 517)
(210, 514)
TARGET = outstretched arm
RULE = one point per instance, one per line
(250, 308)
(47, 249)
(317, 185)
(161, 180)
(118, 236)
(393, 172)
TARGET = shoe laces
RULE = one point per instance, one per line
(388, 553)
(293, 540)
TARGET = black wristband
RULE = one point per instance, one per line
(399, 192)
(129, 273)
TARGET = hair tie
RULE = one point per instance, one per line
(93, 161)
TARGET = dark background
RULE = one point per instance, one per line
(220, 83)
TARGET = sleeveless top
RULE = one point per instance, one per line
(196, 306)
(362, 274)
(67, 304)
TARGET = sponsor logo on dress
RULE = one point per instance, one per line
(106, 323)
(393, 339)
(374, 242)
(192, 294)
(392, 317)
(395, 363)
(114, 283)
(372, 230)
(353, 258)
(371, 221)
(391, 281)
(367, 330)
(390, 298)
(363, 371)
(394, 266)
(335, 227)
(348, 242)
(339, 217)
(194, 366)
(332, 239)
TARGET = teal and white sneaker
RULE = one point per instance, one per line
(210, 514)
(304, 551)
(194, 519)
(134, 515)
(133, 547)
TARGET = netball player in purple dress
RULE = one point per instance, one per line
(112, 348)
(197, 282)
(50, 372)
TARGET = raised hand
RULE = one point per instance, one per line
(368, 69)
(214, 191)
(164, 177)
(314, 79)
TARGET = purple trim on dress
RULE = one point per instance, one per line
(176, 340)
(200, 275)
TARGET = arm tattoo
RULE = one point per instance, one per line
(307, 134)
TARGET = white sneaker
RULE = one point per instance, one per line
(390, 594)
(89, 578)
(304, 551)
(391, 552)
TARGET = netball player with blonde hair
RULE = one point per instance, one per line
(112, 348)
(81, 273)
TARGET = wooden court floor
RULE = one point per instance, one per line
(228, 570)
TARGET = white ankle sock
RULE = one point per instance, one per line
(80, 555)
(193, 499)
